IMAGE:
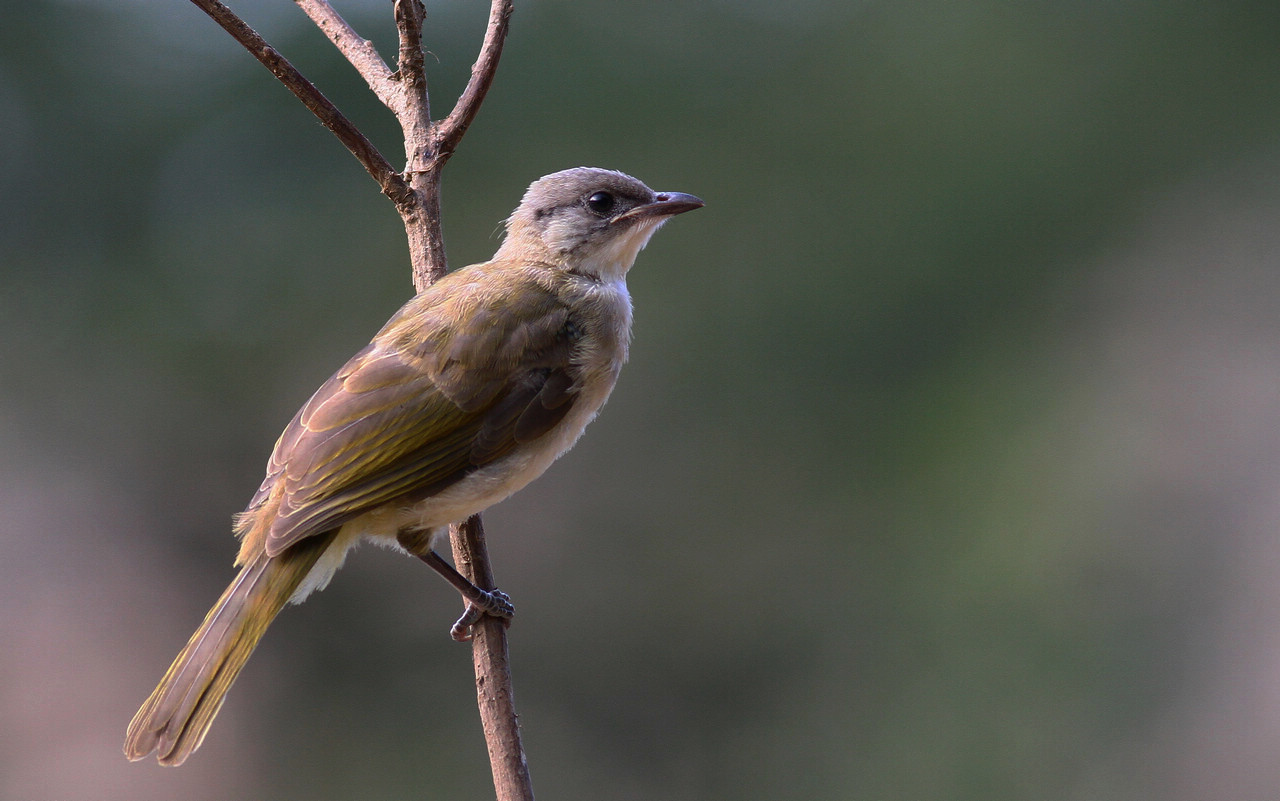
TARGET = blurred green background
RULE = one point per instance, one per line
(947, 465)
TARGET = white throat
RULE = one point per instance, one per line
(613, 260)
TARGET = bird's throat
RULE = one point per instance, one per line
(615, 259)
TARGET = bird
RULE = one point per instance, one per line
(469, 392)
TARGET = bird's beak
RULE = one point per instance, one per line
(665, 204)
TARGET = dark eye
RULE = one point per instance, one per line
(601, 202)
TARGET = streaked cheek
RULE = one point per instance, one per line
(561, 237)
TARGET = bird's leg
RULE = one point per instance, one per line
(479, 602)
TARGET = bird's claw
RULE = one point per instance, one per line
(494, 603)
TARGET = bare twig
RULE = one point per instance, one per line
(422, 167)
(355, 48)
(494, 694)
(449, 132)
(393, 185)
(415, 114)
(416, 194)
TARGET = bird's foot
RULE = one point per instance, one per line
(494, 603)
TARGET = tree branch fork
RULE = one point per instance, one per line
(404, 91)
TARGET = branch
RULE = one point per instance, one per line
(415, 113)
(494, 695)
(393, 185)
(428, 145)
(449, 132)
(355, 48)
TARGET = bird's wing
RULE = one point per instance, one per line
(423, 405)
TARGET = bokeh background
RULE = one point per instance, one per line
(947, 465)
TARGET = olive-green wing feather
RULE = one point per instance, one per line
(479, 338)
(423, 405)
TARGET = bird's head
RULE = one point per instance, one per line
(589, 221)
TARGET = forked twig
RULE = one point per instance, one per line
(392, 183)
(416, 194)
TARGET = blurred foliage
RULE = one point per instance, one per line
(942, 469)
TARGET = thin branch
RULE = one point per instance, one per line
(494, 695)
(355, 48)
(415, 114)
(450, 130)
(422, 168)
(393, 185)
(428, 148)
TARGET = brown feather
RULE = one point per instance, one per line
(423, 405)
(175, 719)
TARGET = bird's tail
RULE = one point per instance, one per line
(175, 719)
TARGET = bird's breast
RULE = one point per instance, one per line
(600, 318)
(601, 314)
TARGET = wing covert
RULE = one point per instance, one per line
(401, 421)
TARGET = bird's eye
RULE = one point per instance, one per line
(600, 202)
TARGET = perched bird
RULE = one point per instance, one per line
(466, 395)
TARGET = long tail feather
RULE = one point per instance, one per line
(175, 719)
